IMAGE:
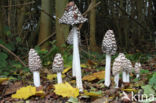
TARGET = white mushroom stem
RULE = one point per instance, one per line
(76, 61)
(138, 75)
(59, 77)
(127, 77)
(36, 78)
(107, 70)
(124, 76)
(73, 66)
(116, 80)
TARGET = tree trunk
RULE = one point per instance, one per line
(154, 17)
(93, 46)
(62, 30)
(45, 25)
(1, 22)
(154, 3)
(20, 21)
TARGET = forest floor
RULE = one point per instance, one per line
(138, 90)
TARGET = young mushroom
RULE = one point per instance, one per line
(58, 67)
(117, 68)
(34, 66)
(109, 47)
(137, 69)
(127, 68)
(72, 16)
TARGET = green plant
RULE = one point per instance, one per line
(48, 55)
(152, 81)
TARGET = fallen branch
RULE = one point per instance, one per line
(91, 6)
(43, 41)
(13, 55)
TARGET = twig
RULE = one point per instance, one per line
(46, 39)
(48, 14)
(87, 52)
(28, 3)
(13, 55)
(91, 6)
(133, 19)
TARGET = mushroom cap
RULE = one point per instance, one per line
(109, 43)
(127, 65)
(70, 36)
(137, 67)
(117, 65)
(34, 61)
(58, 63)
(72, 15)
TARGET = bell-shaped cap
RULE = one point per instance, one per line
(117, 65)
(34, 61)
(127, 65)
(70, 36)
(109, 43)
(72, 15)
(58, 64)
(137, 67)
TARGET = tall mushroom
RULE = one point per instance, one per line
(70, 41)
(109, 47)
(137, 69)
(58, 67)
(127, 68)
(72, 16)
(34, 66)
(117, 68)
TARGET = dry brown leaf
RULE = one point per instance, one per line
(89, 77)
(12, 88)
(98, 75)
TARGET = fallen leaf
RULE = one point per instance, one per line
(26, 92)
(66, 90)
(73, 100)
(73, 81)
(98, 75)
(93, 93)
(52, 76)
(40, 93)
(12, 88)
(90, 62)
(83, 65)
(69, 67)
(102, 100)
(3, 80)
(129, 90)
(89, 77)
(66, 70)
